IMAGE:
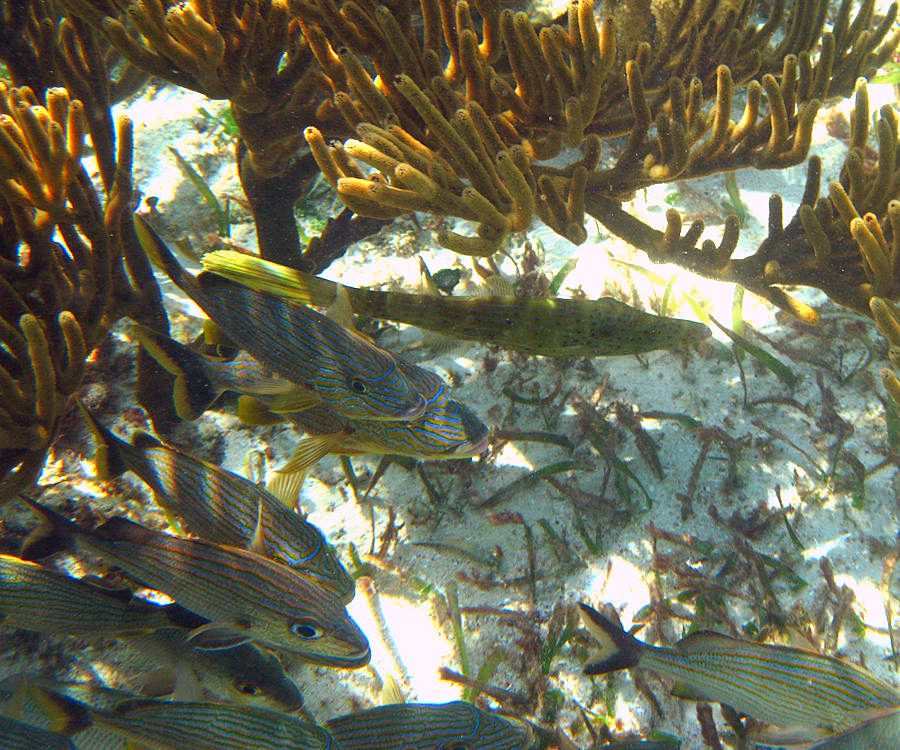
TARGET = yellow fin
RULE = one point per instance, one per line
(298, 400)
(391, 692)
(308, 452)
(258, 542)
(427, 284)
(252, 412)
(286, 487)
(266, 276)
(497, 286)
(340, 310)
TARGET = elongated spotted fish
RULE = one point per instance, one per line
(176, 725)
(354, 377)
(223, 507)
(548, 327)
(244, 595)
(788, 687)
(425, 726)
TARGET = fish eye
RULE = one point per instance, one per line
(305, 630)
(358, 386)
(247, 688)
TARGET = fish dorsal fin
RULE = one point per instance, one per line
(429, 287)
(118, 529)
(298, 400)
(258, 541)
(497, 286)
(391, 692)
(308, 452)
(251, 411)
(286, 487)
(108, 459)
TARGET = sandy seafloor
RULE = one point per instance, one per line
(781, 436)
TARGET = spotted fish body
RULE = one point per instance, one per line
(223, 507)
(547, 327)
(244, 595)
(34, 597)
(424, 726)
(357, 379)
(787, 687)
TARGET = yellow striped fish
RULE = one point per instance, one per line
(37, 598)
(547, 327)
(222, 507)
(17, 735)
(353, 376)
(425, 726)
(178, 725)
(244, 595)
(876, 731)
(787, 687)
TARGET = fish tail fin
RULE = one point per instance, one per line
(52, 534)
(194, 388)
(265, 276)
(110, 457)
(66, 715)
(163, 258)
(618, 649)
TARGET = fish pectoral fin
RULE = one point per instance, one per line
(218, 636)
(286, 487)
(688, 693)
(307, 453)
(157, 682)
(251, 411)
(298, 400)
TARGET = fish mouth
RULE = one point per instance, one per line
(415, 411)
(469, 448)
(352, 660)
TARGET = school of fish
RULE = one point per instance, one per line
(253, 583)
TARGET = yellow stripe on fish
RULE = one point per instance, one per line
(223, 507)
(353, 376)
(780, 685)
(245, 596)
(547, 327)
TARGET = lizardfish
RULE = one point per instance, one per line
(548, 327)
(424, 726)
(176, 725)
(222, 507)
(244, 595)
(780, 685)
(356, 378)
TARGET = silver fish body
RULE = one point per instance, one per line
(223, 507)
(240, 592)
(424, 726)
(875, 731)
(778, 685)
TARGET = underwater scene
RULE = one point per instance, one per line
(449, 375)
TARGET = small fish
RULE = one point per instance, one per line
(200, 380)
(787, 687)
(222, 507)
(425, 726)
(546, 327)
(354, 377)
(17, 735)
(244, 595)
(177, 725)
(37, 598)
(447, 430)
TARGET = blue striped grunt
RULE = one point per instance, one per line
(200, 380)
(222, 507)
(780, 685)
(353, 376)
(244, 595)
(17, 735)
(447, 430)
(547, 327)
(425, 726)
(37, 598)
(178, 725)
